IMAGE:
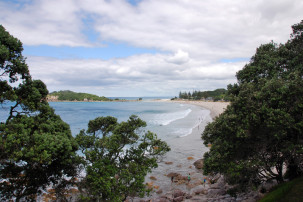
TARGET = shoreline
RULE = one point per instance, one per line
(189, 149)
(215, 108)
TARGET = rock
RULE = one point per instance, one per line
(160, 200)
(178, 199)
(220, 183)
(197, 190)
(152, 178)
(160, 191)
(173, 174)
(199, 164)
(150, 185)
(269, 185)
(178, 193)
(205, 192)
(188, 197)
(156, 187)
(215, 192)
(180, 177)
(214, 179)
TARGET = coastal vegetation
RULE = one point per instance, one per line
(286, 192)
(38, 151)
(117, 158)
(259, 137)
(67, 95)
(36, 147)
(215, 95)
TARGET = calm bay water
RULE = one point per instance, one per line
(180, 125)
(167, 120)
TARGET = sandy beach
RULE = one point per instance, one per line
(215, 108)
(180, 160)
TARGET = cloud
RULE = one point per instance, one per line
(37, 22)
(148, 74)
(190, 39)
(179, 58)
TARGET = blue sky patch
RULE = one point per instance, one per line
(109, 51)
(134, 2)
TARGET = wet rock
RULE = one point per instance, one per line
(199, 164)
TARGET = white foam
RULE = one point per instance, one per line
(167, 118)
(185, 132)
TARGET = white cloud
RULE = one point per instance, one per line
(179, 58)
(191, 37)
(39, 22)
(147, 74)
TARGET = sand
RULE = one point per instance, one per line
(185, 151)
(215, 108)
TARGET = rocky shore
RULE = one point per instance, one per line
(177, 187)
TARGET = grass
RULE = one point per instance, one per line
(287, 192)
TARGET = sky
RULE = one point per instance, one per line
(133, 48)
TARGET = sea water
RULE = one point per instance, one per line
(180, 125)
(168, 120)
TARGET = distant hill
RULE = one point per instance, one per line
(218, 94)
(67, 95)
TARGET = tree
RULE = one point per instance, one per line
(36, 146)
(118, 157)
(261, 131)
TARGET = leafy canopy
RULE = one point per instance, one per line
(36, 146)
(261, 131)
(118, 157)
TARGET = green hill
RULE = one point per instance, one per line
(68, 95)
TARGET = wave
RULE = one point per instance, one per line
(167, 118)
(185, 132)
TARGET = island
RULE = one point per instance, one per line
(67, 95)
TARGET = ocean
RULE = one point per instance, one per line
(167, 120)
(180, 125)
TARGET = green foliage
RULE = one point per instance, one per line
(118, 156)
(71, 96)
(262, 129)
(36, 146)
(291, 191)
(218, 94)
